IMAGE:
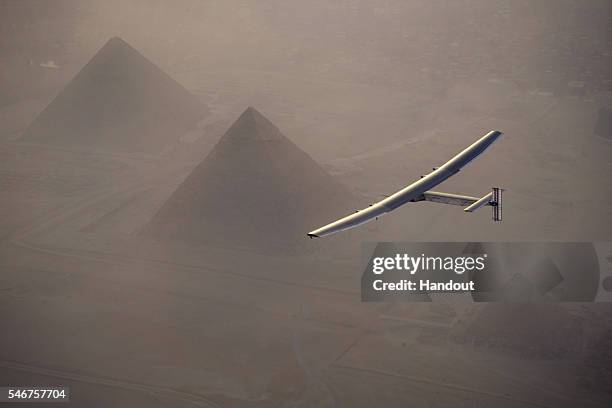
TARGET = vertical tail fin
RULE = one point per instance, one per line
(496, 203)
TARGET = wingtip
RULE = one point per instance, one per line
(311, 235)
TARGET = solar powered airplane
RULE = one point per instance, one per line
(420, 191)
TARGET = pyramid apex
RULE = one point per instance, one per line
(116, 39)
(250, 110)
(252, 125)
(117, 44)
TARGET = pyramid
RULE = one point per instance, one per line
(256, 188)
(119, 101)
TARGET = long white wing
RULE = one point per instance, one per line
(413, 192)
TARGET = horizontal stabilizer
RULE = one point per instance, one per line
(486, 200)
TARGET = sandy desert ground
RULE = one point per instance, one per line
(90, 299)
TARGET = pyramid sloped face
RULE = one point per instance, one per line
(255, 188)
(118, 101)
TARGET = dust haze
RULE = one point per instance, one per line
(161, 163)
